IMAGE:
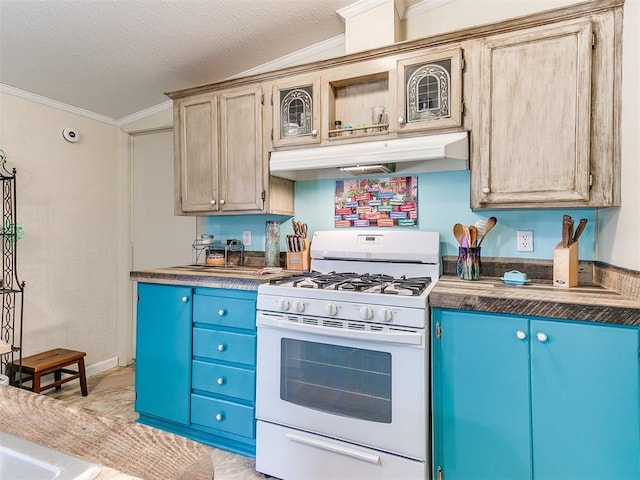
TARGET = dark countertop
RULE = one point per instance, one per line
(539, 298)
(239, 278)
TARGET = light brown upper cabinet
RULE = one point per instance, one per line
(296, 111)
(220, 165)
(430, 90)
(547, 117)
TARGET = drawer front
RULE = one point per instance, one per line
(228, 312)
(224, 380)
(226, 346)
(222, 415)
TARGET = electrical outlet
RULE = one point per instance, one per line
(246, 238)
(525, 240)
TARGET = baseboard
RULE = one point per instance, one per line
(102, 366)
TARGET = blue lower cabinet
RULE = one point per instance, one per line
(222, 415)
(163, 353)
(527, 398)
(195, 363)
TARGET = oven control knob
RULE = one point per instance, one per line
(299, 306)
(385, 315)
(332, 309)
(283, 304)
(366, 313)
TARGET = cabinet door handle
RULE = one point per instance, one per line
(521, 335)
(401, 120)
(213, 202)
(221, 312)
(314, 133)
(222, 347)
(222, 202)
(185, 299)
(221, 381)
(486, 190)
(542, 337)
(219, 417)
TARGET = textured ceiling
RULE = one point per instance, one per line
(117, 57)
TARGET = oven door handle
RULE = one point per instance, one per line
(350, 452)
(405, 338)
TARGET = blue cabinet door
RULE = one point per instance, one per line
(481, 396)
(163, 352)
(585, 401)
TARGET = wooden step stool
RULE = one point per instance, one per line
(53, 361)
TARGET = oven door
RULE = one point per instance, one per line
(364, 387)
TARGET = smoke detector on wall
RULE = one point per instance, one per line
(71, 135)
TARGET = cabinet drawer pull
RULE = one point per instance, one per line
(222, 347)
(542, 337)
(521, 335)
(221, 381)
(185, 299)
(219, 417)
(221, 313)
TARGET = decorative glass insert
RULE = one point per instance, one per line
(429, 91)
(296, 111)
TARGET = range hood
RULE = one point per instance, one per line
(432, 153)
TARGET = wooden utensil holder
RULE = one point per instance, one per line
(565, 266)
(300, 260)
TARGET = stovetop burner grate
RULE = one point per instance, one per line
(354, 282)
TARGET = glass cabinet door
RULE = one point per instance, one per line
(296, 112)
(430, 91)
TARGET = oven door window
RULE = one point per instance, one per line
(346, 381)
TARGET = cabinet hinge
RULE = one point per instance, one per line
(440, 475)
(594, 40)
(264, 195)
(272, 134)
(590, 180)
(463, 64)
(262, 99)
(463, 110)
(438, 330)
(271, 99)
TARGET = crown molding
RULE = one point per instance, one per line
(147, 112)
(56, 104)
(423, 7)
(295, 58)
(359, 7)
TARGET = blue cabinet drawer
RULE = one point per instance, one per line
(227, 346)
(222, 415)
(224, 380)
(225, 311)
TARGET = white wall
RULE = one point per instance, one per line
(67, 203)
(618, 228)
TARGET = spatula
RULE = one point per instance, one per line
(491, 222)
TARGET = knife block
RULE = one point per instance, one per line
(565, 266)
(300, 260)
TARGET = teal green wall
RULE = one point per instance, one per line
(443, 200)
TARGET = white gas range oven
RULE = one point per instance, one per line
(343, 360)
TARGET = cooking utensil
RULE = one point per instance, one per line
(491, 222)
(481, 226)
(458, 232)
(473, 238)
(566, 223)
(467, 236)
(579, 230)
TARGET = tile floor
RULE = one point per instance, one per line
(112, 393)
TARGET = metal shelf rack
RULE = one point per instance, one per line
(11, 289)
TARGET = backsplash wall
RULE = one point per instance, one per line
(443, 199)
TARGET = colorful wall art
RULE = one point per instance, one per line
(376, 202)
